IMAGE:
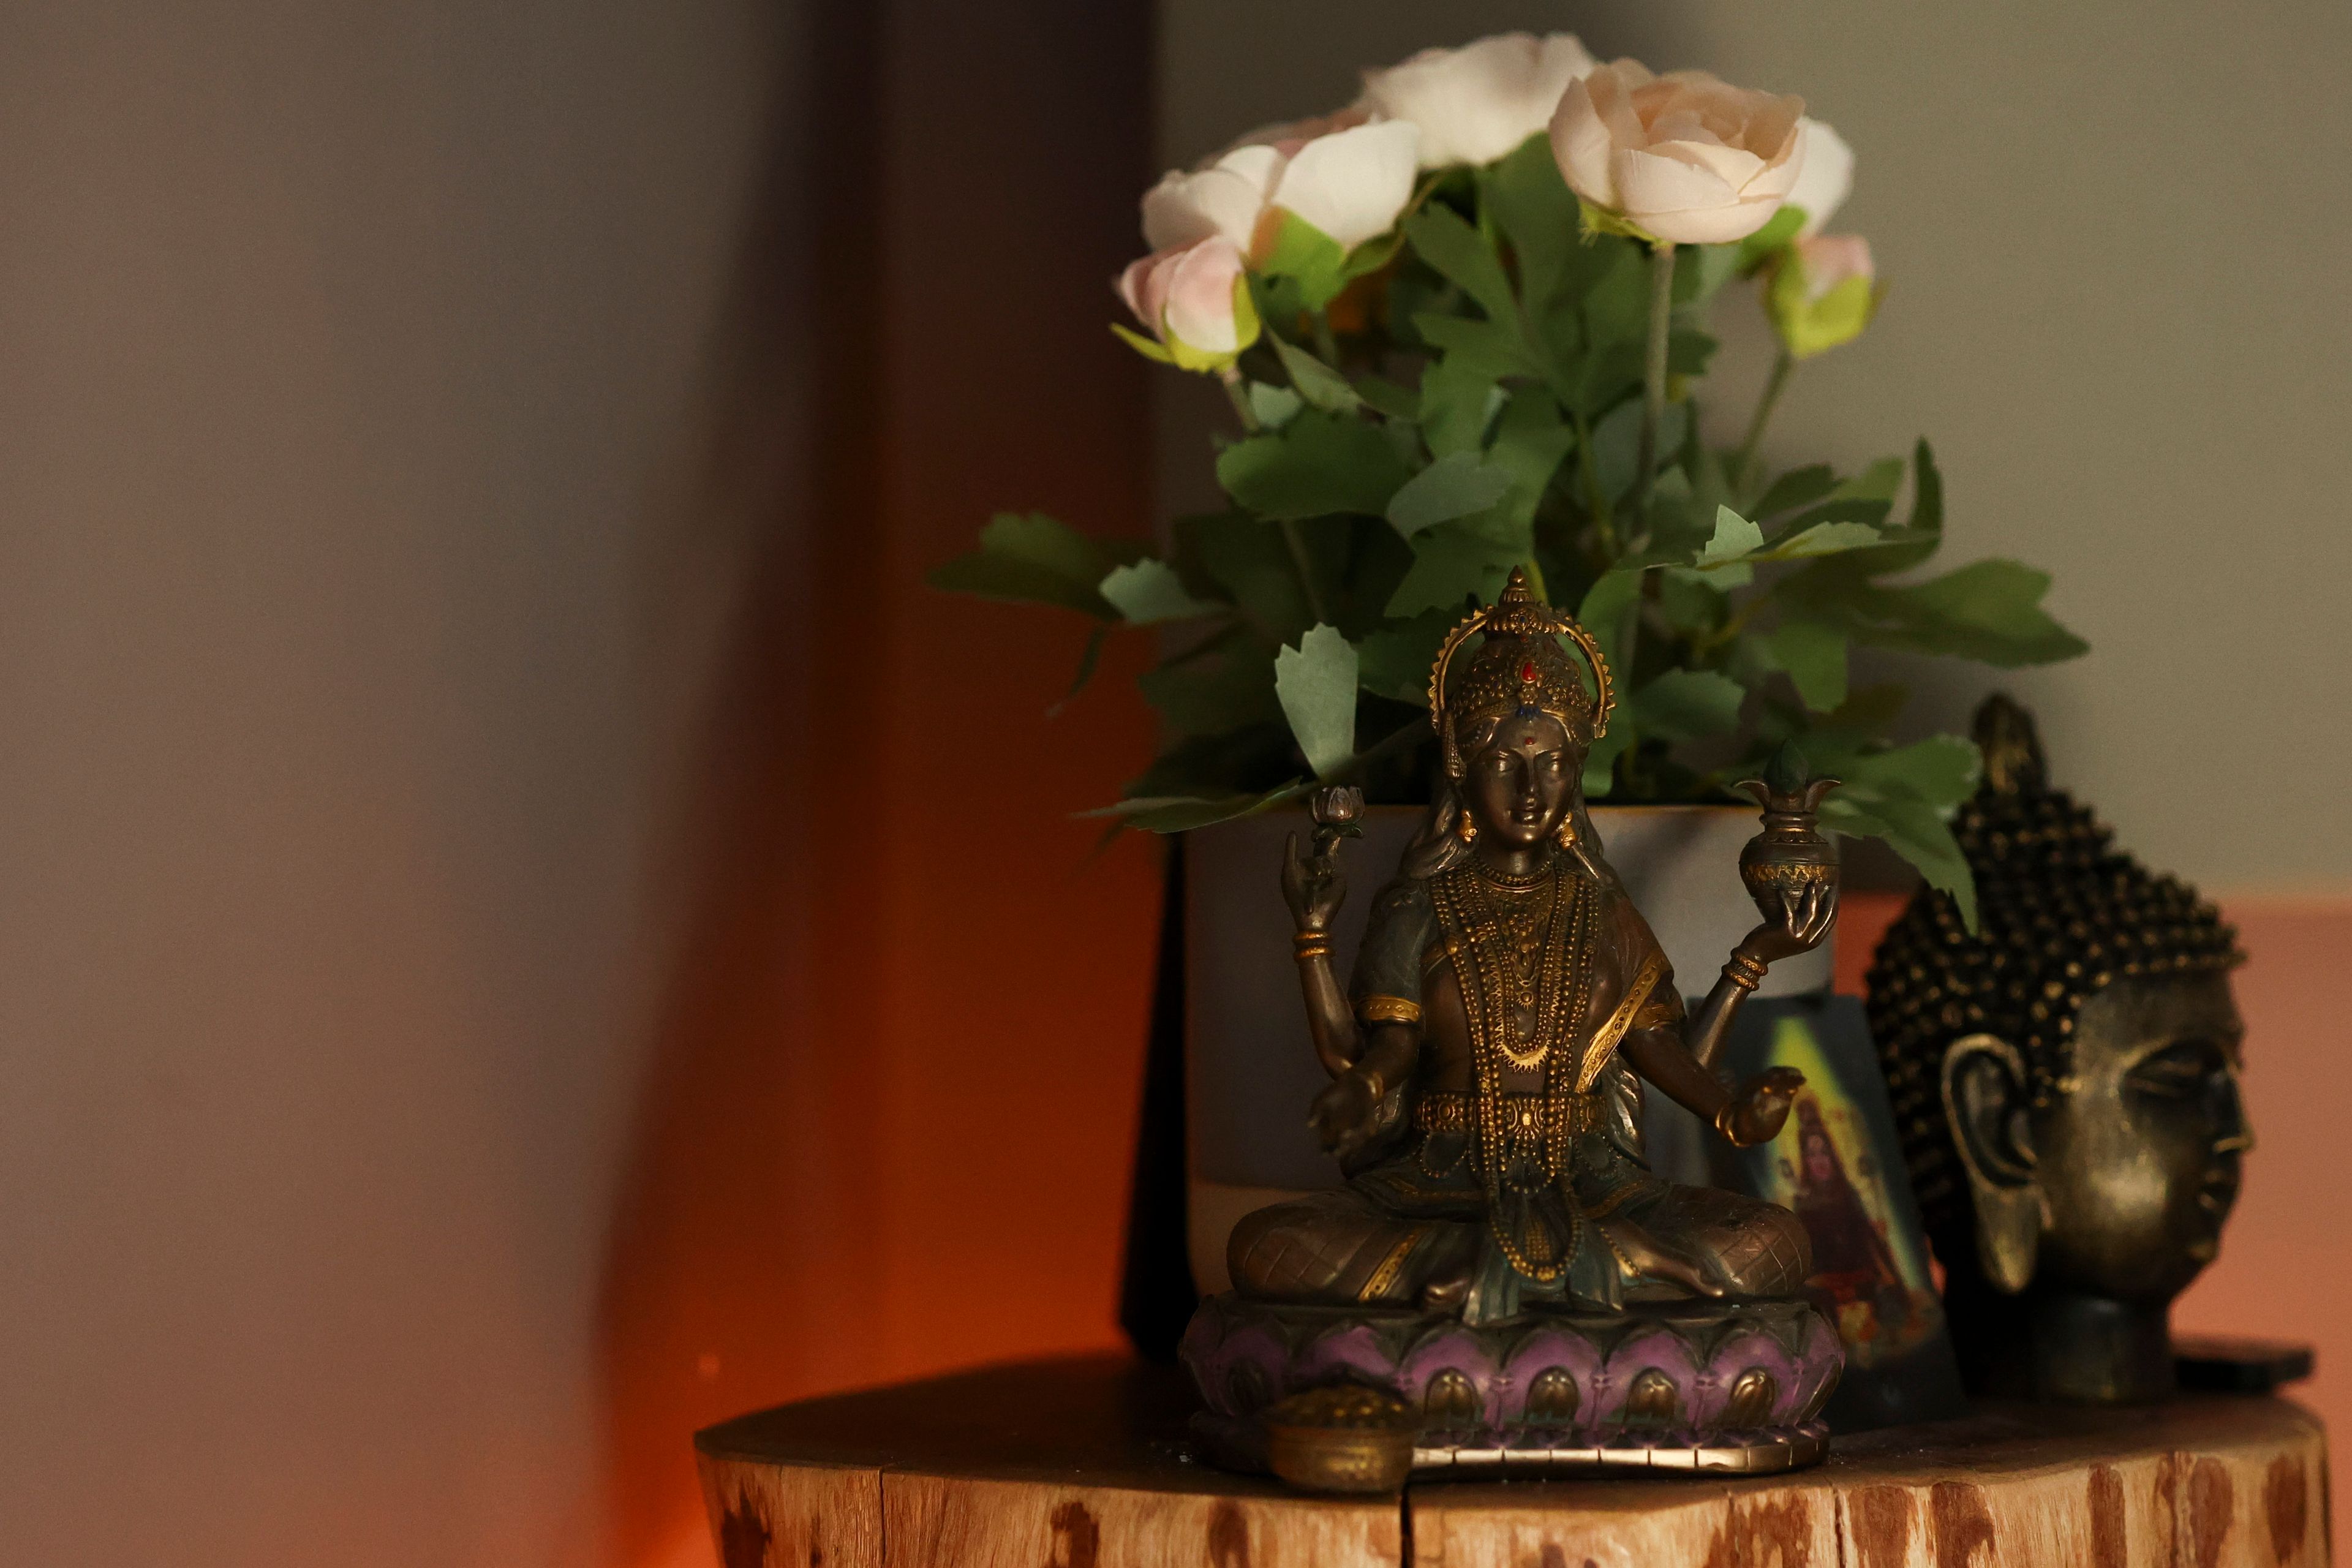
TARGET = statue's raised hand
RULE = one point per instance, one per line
(1760, 1108)
(1311, 885)
(1804, 922)
(1347, 1112)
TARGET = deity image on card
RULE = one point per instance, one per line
(1837, 1165)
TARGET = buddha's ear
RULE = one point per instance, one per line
(1985, 1105)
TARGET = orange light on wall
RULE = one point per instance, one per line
(893, 1104)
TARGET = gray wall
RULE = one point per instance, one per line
(347, 361)
(2115, 239)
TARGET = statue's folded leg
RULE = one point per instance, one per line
(1341, 1249)
(1742, 1245)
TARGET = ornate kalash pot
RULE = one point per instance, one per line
(2064, 1079)
(1790, 857)
(1503, 1285)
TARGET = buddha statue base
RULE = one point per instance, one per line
(1343, 1399)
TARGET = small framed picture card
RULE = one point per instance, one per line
(1838, 1166)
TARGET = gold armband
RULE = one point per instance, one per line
(1386, 1010)
(1743, 970)
(1311, 944)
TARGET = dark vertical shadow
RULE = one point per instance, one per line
(740, 1235)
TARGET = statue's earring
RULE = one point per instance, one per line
(1985, 1107)
(1468, 828)
(1566, 831)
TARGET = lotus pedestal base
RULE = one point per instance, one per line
(1334, 1399)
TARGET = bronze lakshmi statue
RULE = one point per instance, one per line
(2065, 1081)
(1509, 1004)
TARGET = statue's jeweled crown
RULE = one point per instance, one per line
(1521, 665)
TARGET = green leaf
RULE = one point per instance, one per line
(1317, 383)
(1617, 444)
(1396, 661)
(1031, 559)
(1941, 770)
(1455, 486)
(1307, 257)
(1457, 397)
(1531, 442)
(1798, 488)
(1451, 564)
(1924, 533)
(1691, 602)
(1148, 348)
(1149, 591)
(1316, 684)
(1318, 464)
(1275, 406)
(1735, 539)
(1608, 613)
(1880, 481)
(1222, 684)
(1990, 611)
(1601, 760)
(1832, 738)
(1389, 398)
(1822, 538)
(1181, 814)
(1779, 231)
(1915, 831)
(1700, 271)
(1251, 757)
(1536, 211)
(1089, 659)
(1496, 351)
(1688, 705)
(1813, 657)
(1462, 255)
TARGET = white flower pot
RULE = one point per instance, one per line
(1249, 1068)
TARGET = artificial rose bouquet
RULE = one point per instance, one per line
(1461, 323)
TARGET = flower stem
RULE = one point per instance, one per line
(1230, 379)
(1325, 344)
(1772, 394)
(1291, 539)
(1654, 372)
(1296, 544)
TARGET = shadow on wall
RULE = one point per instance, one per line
(887, 1122)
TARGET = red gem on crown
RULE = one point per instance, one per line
(1527, 670)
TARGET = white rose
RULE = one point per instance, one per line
(1225, 198)
(1350, 183)
(1478, 102)
(1194, 301)
(1683, 157)
(1824, 175)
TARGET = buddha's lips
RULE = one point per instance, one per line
(2219, 1190)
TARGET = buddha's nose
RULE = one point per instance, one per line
(2232, 1132)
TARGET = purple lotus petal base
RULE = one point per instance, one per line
(1696, 1387)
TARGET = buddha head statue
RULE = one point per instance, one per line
(2066, 1081)
(1513, 722)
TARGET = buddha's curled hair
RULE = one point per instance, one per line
(2060, 913)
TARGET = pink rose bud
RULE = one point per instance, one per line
(1820, 293)
(1194, 303)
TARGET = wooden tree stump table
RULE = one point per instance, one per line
(1084, 1463)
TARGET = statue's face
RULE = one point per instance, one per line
(1522, 780)
(2138, 1165)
